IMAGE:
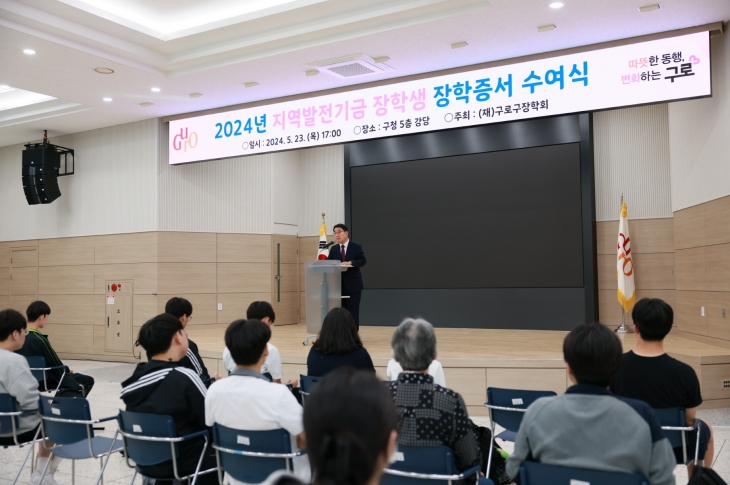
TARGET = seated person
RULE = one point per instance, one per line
(163, 386)
(338, 345)
(248, 401)
(262, 310)
(588, 427)
(435, 370)
(37, 344)
(16, 380)
(182, 309)
(429, 415)
(649, 374)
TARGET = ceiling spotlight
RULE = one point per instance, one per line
(155, 90)
(556, 5)
(107, 99)
(459, 45)
(311, 72)
(649, 8)
(104, 70)
(30, 52)
(195, 95)
(250, 84)
(546, 28)
(144, 105)
(381, 59)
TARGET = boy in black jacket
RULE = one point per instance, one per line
(182, 309)
(163, 386)
(37, 344)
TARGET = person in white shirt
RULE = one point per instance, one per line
(262, 310)
(247, 400)
(435, 370)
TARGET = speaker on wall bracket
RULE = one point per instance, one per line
(41, 169)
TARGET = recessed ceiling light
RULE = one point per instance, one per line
(546, 28)
(30, 52)
(649, 8)
(155, 90)
(381, 59)
(311, 72)
(250, 84)
(144, 105)
(195, 95)
(556, 5)
(104, 70)
(107, 99)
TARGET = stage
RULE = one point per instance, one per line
(474, 359)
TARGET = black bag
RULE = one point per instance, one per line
(498, 469)
(705, 476)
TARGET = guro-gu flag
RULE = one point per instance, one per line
(323, 251)
(625, 263)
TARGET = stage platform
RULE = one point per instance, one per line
(475, 359)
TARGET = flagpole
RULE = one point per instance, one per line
(622, 328)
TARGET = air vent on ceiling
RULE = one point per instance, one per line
(351, 66)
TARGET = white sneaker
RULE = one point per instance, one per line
(35, 479)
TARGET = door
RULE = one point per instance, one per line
(285, 284)
(118, 318)
(23, 278)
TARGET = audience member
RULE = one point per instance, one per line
(649, 374)
(182, 309)
(37, 344)
(249, 401)
(588, 427)
(429, 415)
(163, 386)
(16, 380)
(435, 370)
(262, 310)
(338, 345)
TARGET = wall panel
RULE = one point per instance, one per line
(204, 306)
(186, 247)
(236, 304)
(66, 251)
(322, 178)
(174, 278)
(71, 309)
(243, 248)
(687, 313)
(66, 280)
(244, 278)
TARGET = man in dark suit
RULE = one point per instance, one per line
(350, 254)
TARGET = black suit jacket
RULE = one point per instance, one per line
(352, 278)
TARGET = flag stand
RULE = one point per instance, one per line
(622, 328)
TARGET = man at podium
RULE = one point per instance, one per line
(350, 254)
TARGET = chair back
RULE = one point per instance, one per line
(512, 398)
(432, 460)
(306, 383)
(65, 408)
(674, 417)
(142, 452)
(533, 473)
(37, 362)
(251, 469)
(8, 405)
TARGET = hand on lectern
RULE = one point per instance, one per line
(347, 263)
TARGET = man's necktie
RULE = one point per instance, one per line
(342, 253)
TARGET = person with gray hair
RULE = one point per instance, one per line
(394, 369)
(419, 400)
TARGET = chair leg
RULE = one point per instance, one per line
(133, 477)
(103, 463)
(30, 452)
(45, 468)
(491, 444)
(73, 472)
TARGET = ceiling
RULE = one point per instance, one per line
(213, 47)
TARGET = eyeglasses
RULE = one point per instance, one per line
(25, 331)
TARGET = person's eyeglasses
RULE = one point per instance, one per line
(24, 331)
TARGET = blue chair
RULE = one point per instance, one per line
(251, 456)
(533, 473)
(38, 368)
(67, 422)
(506, 408)
(674, 424)
(433, 463)
(9, 415)
(305, 385)
(150, 439)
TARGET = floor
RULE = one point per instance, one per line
(104, 401)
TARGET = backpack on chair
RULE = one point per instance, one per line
(705, 476)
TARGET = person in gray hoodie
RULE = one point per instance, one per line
(17, 380)
(588, 427)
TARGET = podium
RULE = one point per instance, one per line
(323, 285)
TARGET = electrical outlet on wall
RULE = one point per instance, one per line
(702, 311)
(220, 306)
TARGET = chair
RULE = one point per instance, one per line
(533, 473)
(251, 456)
(38, 368)
(432, 463)
(9, 415)
(506, 408)
(674, 424)
(305, 385)
(67, 422)
(150, 439)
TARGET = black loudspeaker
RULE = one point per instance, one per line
(40, 174)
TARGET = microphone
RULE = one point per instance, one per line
(330, 244)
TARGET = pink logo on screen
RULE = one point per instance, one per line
(183, 140)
